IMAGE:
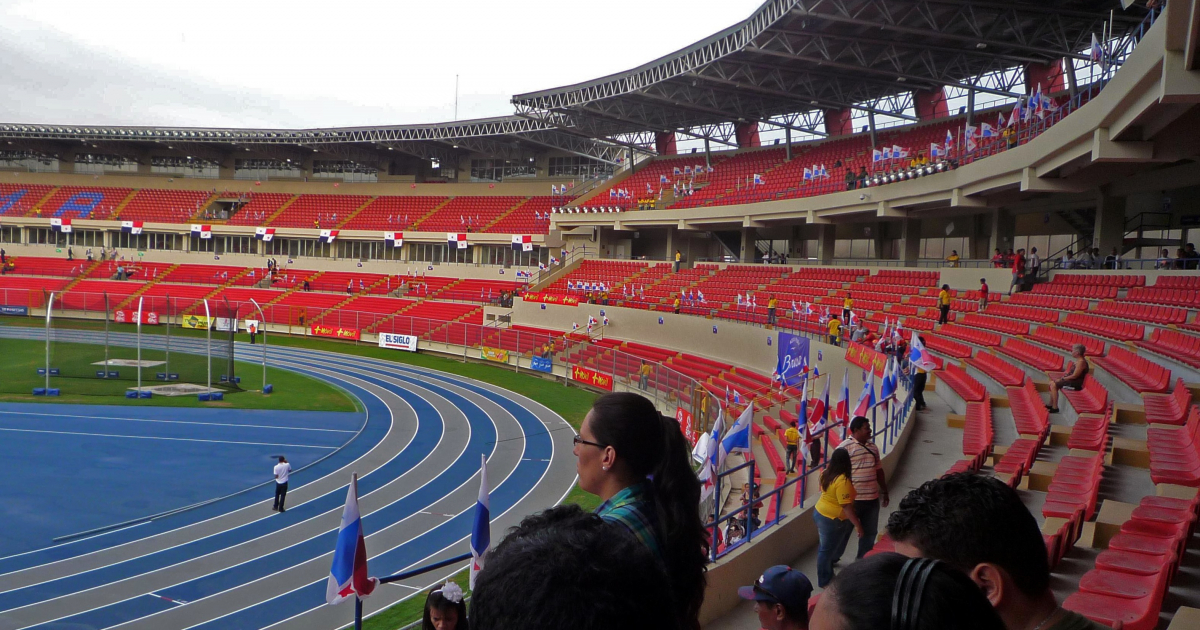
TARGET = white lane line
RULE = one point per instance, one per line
(147, 437)
(214, 424)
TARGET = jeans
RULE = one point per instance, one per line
(280, 495)
(868, 515)
(919, 389)
(791, 457)
(945, 316)
(643, 380)
(831, 531)
(770, 316)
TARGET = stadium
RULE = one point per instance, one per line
(967, 222)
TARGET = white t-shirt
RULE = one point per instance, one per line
(281, 472)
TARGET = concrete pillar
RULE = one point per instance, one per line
(228, 163)
(931, 104)
(877, 234)
(748, 238)
(1003, 231)
(980, 236)
(664, 143)
(871, 124)
(747, 135)
(910, 241)
(826, 241)
(669, 255)
(1110, 224)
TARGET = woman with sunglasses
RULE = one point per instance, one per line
(637, 461)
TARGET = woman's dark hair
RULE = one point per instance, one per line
(888, 590)
(435, 601)
(839, 464)
(651, 446)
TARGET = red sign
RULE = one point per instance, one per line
(127, 316)
(866, 358)
(684, 417)
(591, 377)
(337, 332)
(551, 298)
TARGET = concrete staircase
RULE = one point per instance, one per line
(504, 214)
(389, 318)
(37, 207)
(275, 215)
(212, 294)
(146, 287)
(429, 335)
(355, 212)
(82, 276)
(116, 213)
(416, 223)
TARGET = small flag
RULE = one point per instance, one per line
(887, 153)
(131, 227)
(663, 179)
(456, 241)
(481, 529)
(1097, 51)
(935, 150)
(264, 234)
(738, 438)
(807, 173)
(395, 238)
(328, 236)
(758, 179)
(876, 155)
(986, 130)
(866, 399)
(677, 171)
(348, 575)
(522, 243)
(917, 354)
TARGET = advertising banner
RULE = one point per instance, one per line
(684, 417)
(591, 377)
(14, 310)
(398, 342)
(129, 316)
(226, 324)
(337, 332)
(866, 358)
(792, 358)
(547, 298)
(542, 365)
(197, 322)
(494, 354)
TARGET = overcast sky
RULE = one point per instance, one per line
(254, 63)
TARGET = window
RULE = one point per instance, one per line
(854, 248)
(508, 257)
(99, 164)
(10, 234)
(237, 245)
(497, 170)
(347, 171)
(185, 167)
(368, 250)
(203, 244)
(438, 253)
(28, 161)
(295, 247)
(579, 166)
(266, 169)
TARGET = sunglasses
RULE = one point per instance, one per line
(578, 439)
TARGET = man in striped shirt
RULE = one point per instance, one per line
(869, 485)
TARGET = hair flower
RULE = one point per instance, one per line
(452, 592)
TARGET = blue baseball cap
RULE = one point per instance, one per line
(780, 584)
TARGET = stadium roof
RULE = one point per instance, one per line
(779, 67)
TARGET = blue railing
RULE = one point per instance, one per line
(404, 575)
(895, 419)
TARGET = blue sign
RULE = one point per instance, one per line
(660, 320)
(792, 352)
(14, 310)
(542, 365)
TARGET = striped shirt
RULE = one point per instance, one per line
(864, 462)
(631, 508)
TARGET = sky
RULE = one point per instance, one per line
(267, 64)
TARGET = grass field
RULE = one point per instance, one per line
(571, 403)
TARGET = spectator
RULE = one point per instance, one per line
(780, 597)
(835, 327)
(983, 294)
(850, 179)
(445, 609)
(862, 177)
(834, 513)
(565, 568)
(792, 437)
(644, 375)
(1113, 260)
(638, 463)
(979, 525)
(1071, 379)
(771, 304)
(919, 380)
(678, 259)
(998, 259)
(1164, 261)
(859, 333)
(953, 258)
(3, 256)
(1192, 256)
(750, 516)
(1068, 260)
(1084, 260)
(1034, 263)
(70, 254)
(870, 487)
(1097, 261)
(676, 304)
(944, 304)
(1181, 258)
(1018, 271)
(847, 304)
(889, 590)
(1008, 258)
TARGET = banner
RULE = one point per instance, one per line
(551, 298)
(337, 332)
(684, 417)
(542, 365)
(792, 358)
(197, 322)
(14, 310)
(226, 324)
(591, 377)
(866, 358)
(494, 354)
(129, 316)
(398, 342)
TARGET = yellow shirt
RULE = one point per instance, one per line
(792, 436)
(834, 326)
(944, 298)
(645, 370)
(840, 492)
(677, 256)
(771, 303)
(847, 303)
(676, 302)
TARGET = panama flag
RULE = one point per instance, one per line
(131, 227)
(841, 413)
(202, 231)
(876, 155)
(949, 139)
(898, 152)
(395, 238)
(887, 386)
(60, 225)
(917, 354)
(481, 530)
(738, 438)
(935, 150)
(802, 425)
(887, 153)
(986, 130)
(264, 234)
(708, 447)
(1097, 51)
(758, 178)
(348, 576)
(807, 173)
(1016, 113)
(522, 243)
(866, 399)
(328, 236)
(1000, 122)
(456, 241)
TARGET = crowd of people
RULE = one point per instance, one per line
(968, 553)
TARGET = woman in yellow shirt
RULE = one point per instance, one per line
(944, 304)
(846, 305)
(835, 327)
(834, 514)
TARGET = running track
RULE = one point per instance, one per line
(235, 563)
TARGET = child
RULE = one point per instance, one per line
(983, 294)
(445, 609)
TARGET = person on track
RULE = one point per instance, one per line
(282, 470)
